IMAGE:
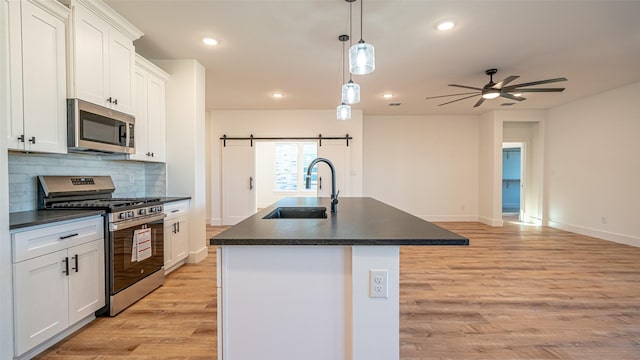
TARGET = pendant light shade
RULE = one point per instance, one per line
(350, 93)
(362, 59)
(343, 112)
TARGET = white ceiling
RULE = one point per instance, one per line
(292, 46)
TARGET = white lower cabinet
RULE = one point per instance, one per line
(176, 234)
(59, 278)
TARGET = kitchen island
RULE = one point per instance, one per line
(316, 288)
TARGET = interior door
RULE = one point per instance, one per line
(338, 153)
(238, 182)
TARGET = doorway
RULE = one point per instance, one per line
(512, 180)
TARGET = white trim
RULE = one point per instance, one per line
(109, 15)
(603, 235)
(198, 255)
(215, 221)
(490, 222)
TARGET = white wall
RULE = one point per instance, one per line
(186, 165)
(592, 165)
(425, 165)
(279, 123)
(490, 174)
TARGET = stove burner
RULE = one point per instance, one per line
(105, 203)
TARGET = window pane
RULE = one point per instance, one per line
(286, 167)
(310, 152)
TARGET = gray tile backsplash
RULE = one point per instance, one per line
(132, 179)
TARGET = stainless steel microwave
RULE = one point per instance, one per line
(95, 128)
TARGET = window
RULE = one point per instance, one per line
(291, 163)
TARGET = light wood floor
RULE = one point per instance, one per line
(518, 292)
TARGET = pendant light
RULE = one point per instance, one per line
(362, 59)
(350, 90)
(343, 111)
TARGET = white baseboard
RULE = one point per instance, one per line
(197, 256)
(490, 222)
(215, 221)
(600, 234)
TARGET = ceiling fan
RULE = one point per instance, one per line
(493, 90)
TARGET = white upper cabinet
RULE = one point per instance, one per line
(38, 120)
(101, 55)
(150, 111)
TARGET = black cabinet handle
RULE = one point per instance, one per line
(320, 183)
(178, 223)
(75, 257)
(68, 236)
(109, 100)
(21, 138)
(115, 101)
(66, 266)
(32, 140)
(174, 228)
(250, 183)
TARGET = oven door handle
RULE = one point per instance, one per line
(132, 223)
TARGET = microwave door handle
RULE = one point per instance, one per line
(123, 132)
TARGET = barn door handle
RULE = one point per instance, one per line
(250, 183)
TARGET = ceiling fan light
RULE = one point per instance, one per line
(343, 112)
(362, 58)
(350, 93)
(491, 95)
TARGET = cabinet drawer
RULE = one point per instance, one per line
(41, 240)
(176, 209)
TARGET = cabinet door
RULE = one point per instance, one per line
(91, 50)
(140, 100)
(156, 119)
(86, 280)
(41, 302)
(169, 227)
(179, 240)
(121, 72)
(15, 124)
(44, 80)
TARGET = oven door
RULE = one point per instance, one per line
(137, 251)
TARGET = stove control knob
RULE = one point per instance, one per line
(142, 212)
(122, 215)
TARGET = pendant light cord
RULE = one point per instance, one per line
(350, 37)
(361, 21)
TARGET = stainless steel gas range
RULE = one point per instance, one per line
(134, 247)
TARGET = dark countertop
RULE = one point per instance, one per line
(167, 199)
(359, 221)
(24, 219)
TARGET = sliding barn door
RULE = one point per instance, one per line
(338, 153)
(238, 182)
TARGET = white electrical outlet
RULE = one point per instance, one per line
(378, 283)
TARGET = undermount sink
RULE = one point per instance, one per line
(298, 213)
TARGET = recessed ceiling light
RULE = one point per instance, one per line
(277, 95)
(446, 25)
(387, 96)
(210, 41)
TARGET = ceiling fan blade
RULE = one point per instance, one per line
(504, 82)
(466, 87)
(441, 96)
(458, 99)
(479, 102)
(512, 97)
(536, 83)
(534, 90)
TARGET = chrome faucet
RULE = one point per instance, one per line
(334, 194)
